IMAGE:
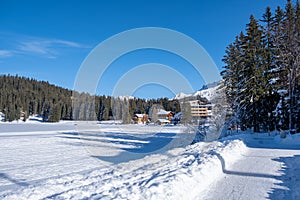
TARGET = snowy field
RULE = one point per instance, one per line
(110, 161)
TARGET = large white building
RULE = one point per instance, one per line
(200, 110)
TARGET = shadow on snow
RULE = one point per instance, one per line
(12, 180)
(288, 183)
(133, 147)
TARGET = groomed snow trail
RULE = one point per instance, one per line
(265, 171)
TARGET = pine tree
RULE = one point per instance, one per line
(54, 114)
(262, 71)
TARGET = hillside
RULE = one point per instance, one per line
(24, 96)
(207, 91)
(21, 97)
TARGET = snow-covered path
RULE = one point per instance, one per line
(265, 171)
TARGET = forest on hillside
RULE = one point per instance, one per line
(27, 96)
(262, 72)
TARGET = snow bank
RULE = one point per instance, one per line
(199, 170)
(290, 140)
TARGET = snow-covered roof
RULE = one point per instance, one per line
(163, 121)
(139, 115)
(163, 112)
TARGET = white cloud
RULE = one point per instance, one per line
(16, 44)
(6, 53)
(48, 47)
(69, 43)
(34, 47)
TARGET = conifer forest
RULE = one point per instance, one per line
(262, 72)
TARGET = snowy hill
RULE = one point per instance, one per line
(181, 95)
(207, 91)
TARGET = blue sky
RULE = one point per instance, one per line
(48, 40)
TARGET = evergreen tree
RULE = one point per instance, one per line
(262, 71)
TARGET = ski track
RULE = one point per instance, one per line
(48, 165)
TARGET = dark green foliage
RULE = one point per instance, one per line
(29, 96)
(54, 115)
(262, 71)
(19, 94)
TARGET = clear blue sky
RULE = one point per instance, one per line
(48, 40)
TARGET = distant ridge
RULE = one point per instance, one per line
(207, 91)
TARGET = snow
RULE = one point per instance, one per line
(139, 115)
(282, 92)
(289, 140)
(162, 112)
(2, 116)
(267, 170)
(125, 97)
(37, 164)
(207, 93)
(273, 80)
(181, 95)
(56, 161)
(163, 121)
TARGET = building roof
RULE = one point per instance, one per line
(163, 121)
(140, 115)
(163, 112)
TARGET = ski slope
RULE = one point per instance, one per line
(54, 161)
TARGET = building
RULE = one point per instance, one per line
(162, 114)
(163, 117)
(141, 118)
(200, 110)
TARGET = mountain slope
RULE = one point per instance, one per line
(207, 91)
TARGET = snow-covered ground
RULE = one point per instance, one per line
(59, 161)
(268, 169)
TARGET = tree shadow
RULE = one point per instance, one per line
(238, 173)
(288, 186)
(12, 180)
(132, 147)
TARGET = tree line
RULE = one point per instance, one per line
(261, 72)
(27, 96)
